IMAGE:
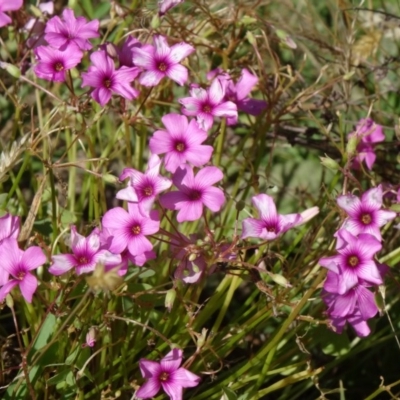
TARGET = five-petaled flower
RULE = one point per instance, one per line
(87, 252)
(106, 80)
(365, 215)
(270, 225)
(161, 60)
(71, 30)
(181, 142)
(194, 193)
(19, 264)
(207, 104)
(144, 188)
(166, 374)
(52, 63)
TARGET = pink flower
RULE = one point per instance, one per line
(128, 229)
(369, 133)
(238, 93)
(144, 188)
(207, 104)
(181, 141)
(161, 60)
(53, 63)
(270, 225)
(9, 228)
(8, 5)
(365, 215)
(194, 192)
(106, 80)
(87, 252)
(125, 53)
(19, 264)
(167, 375)
(61, 34)
(354, 261)
(165, 5)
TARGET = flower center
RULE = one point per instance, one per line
(83, 260)
(180, 147)
(107, 83)
(195, 195)
(207, 109)
(136, 229)
(353, 261)
(162, 67)
(148, 191)
(271, 229)
(366, 219)
(20, 275)
(164, 376)
(58, 66)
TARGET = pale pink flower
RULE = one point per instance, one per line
(161, 60)
(181, 142)
(166, 374)
(19, 264)
(194, 193)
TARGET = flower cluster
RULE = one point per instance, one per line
(354, 269)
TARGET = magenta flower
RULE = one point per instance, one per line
(87, 252)
(128, 229)
(194, 192)
(270, 225)
(238, 93)
(355, 260)
(53, 63)
(8, 5)
(369, 133)
(365, 215)
(207, 104)
(125, 53)
(61, 34)
(165, 5)
(19, 264)
(161, 60)
(167, 375)
(181, 141)
(106, 80)
(144, 188)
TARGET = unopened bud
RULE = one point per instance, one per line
(192, 257)
(250, 37)
(155, 22)
(13, 70)
(91, 336)
(286, 40)
(329, 163)
(9, 301)
(280, 280)
(352, 145)
(108, 178)
(201, 339)
(170, 299)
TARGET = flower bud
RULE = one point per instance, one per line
(280, 280)
(329, 163)
(13, 70)
(352, 145)
(170, 299)
(9, 301)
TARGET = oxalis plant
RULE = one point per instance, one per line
(199, 200)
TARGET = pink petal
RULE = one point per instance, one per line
(151, 78)
(143, 58)
(162, 49)
(184, 378)
(116, 218)
(172, 390)
(10, 256)
(245, 84)
(216, 92)
(213, 198)
(138, 245)
(62, 263)
(370, 273)
(176, 124)
(172, 360)
(208, 176)
(349, 203)
(28, 286)
(226, 109)
(266, 206)
(330, 263)
(178, 73)
(7, 288)
(179, 52)
(149, 389)
(189, 211)
(252, 227)
(33, 258)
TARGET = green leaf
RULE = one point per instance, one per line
(229, 394)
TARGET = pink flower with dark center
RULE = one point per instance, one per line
(270, 225)
(365, 215)
(9, 228)
(165, 5)
(62, 33)
(87, 252)
(106, 80)
(144, 188)
(52, 63)
(194, 193)
(369, 133)
(181, 141)
(167, 375)
(19, 264)
(128, 229)
(355, 260)
(161, 60)
(207, 104)
(238, 92)
(8, 5)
